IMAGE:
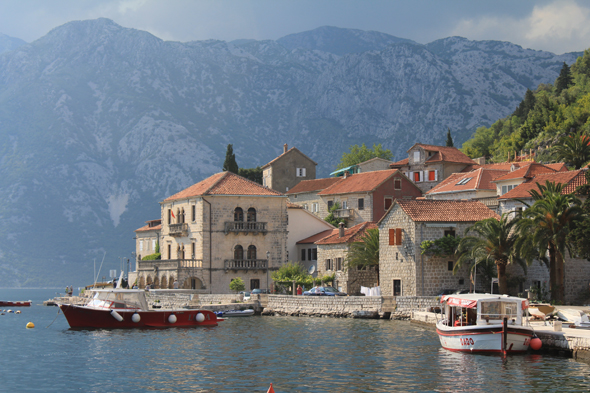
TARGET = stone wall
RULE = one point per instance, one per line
(407, 304)
(344, 306)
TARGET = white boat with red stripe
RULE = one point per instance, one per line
(484, 323)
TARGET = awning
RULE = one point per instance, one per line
(343, 170)
(458, 302)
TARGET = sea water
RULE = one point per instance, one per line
(247, 354)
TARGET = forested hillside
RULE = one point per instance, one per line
(543, 121)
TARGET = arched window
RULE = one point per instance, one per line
(238, 252)
(251, 252)
(178, 218)
(238, 214)
(182, 216)
(251, 215)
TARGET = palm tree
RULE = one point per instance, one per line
(545, 228)
(574, 150)
(366, 252)
(495, 240)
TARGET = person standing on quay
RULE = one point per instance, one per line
(299, 290)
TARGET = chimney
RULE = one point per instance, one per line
(341, 229)
(285, 148)
(345, 174)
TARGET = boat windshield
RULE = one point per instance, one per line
(125, 300)
(498, 310)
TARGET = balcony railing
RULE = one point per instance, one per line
(170, 264)
(343, 213)
(245, 264)
(178, 229)
(245, 227)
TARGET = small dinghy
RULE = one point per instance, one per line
(235, 313)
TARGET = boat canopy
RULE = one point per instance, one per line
(471, 300)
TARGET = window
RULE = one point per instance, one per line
(251, 252)
(330, 204)
(193, 250)
(254, 283)
(361, 204)
(397, 287)
(141, 245)
(305, 206)
(238, 252)
(169, 216)
(344, 205)
(417, 177)
(238, 214)
(154, 244)
(450, 232)
(432, 175)
(505, 189)
(169, 251)
(416, 156)
(388, 202)
(303, 254)
(300, 172)
(450, 266)
(315, 207)
(397, 184)
(464, 181)
(309, 254)
(328, 264)
(338, 264)
(194, 213)
(251, 215)
(314, 254)
(395, 236)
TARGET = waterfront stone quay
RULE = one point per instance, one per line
(557, 338)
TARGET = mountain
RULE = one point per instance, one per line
(9, 43)
(340, 41)
(99, 123)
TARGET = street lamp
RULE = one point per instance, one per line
(267, 267)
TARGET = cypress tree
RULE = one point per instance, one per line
(449, 138)
(564, 79)
(230, 163)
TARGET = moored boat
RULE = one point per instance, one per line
(484, 323)
(4, 303)
(127, 308)
(236, 313)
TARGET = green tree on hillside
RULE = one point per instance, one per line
(230, 163)
(574, 150)
(254, 174)
(449, 138)
(362, 153)
(564, 80)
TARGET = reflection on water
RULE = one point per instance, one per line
(246, 354)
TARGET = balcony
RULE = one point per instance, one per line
(178, 230)
(343, 213)
(245, 227)
(169, 264)
(245, 264)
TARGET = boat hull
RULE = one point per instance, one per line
(89, 318)
(485, 338)
(14, 304)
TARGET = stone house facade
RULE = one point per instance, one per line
(365, 197)
(284, 172)
(428, 165)
(404, 271)
(332, 253)
(220, 228)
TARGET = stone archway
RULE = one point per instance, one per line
(163, 282)
(141, 282)
(156, 282)
(171, 282)
(148, 280)
(192, 283)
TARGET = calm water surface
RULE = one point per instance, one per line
(246, 354)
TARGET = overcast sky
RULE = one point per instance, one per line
(554, 25)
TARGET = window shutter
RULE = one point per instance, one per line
(436, 175)
(303, 172)
(398, 236)
(392, 237)
(421, 175)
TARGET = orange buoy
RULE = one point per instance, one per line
(30, 325)
(536, 343)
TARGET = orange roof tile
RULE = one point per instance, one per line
(360, 182)
(351, 235)
(224, 183)
(559, 167)
(445, 210)
(313, 185)
(317, 236)
(445, 153)
(285, 153)
(147, 227)
(571, 180)
(403, 162)
(293, 206)
(526, 172)
(479, 179)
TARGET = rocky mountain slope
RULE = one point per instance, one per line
(98, 123)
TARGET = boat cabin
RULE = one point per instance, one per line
(119, 299)
(476, 309)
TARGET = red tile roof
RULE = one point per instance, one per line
(445, 210)
(403, 162)
(317, 236)
(224, 183)
(293, 149)
(480, 179)
(293, 206)
(147, 227)
(359, 182)
(351, 235)
(526, 172)
(441, 154)
(559, 167)
(571, 180)
(313, 185)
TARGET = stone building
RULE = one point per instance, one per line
(332, 257)
(305, 194)
(366, 196)
(428, 165)
(374, 164)
(284, 172)
(220, 228)
(403, 270)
